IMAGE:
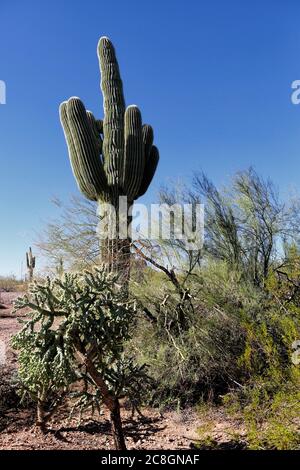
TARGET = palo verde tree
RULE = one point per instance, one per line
(110, 158)
(73, 236)
(76, 333)
(246, 223)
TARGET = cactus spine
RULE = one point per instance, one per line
(30, 261)
(110, 158)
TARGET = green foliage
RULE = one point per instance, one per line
(272, 419)
(220, 326)
(270, 400)
(265, 398)
(84, 312)
(226, 337)
(193, 346)
(245, 223)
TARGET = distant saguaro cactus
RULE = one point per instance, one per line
(30, 261)
(60, 267)
(110, 158)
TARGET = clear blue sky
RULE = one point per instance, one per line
(212, 77)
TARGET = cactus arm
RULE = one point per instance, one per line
(88, 163)
(148, 138)
(114, 108)
(73, 153)
(134, 159)
(99, 124)
(95, 131)
(150, 168)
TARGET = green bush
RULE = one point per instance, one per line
(193, 346)
(230, 333)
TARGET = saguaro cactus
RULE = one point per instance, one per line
(30, 261)
(60, 267)
(110, 158)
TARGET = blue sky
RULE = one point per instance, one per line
(212, 77)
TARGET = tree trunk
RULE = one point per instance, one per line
(117, 430)
(109, 400)
(40, 416)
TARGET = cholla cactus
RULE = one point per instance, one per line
(95, 320)
(30, 261)
(114, 157)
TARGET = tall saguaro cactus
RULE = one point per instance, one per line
(110, 158)
(30, 261)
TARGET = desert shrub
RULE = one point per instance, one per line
(221, 339)
(269, 399)
(272, 418)
(194, 344)
(11, 284)
(265, 396)
(268, 404)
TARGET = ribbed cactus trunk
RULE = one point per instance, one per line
(115, 252)
(110, 158)
(113, 149)
(30, 262)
